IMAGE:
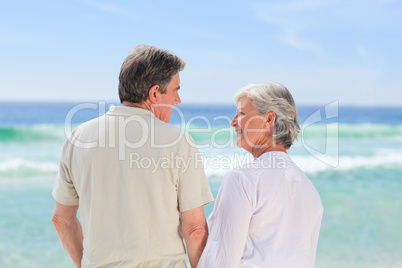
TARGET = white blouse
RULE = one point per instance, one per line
(267, 214)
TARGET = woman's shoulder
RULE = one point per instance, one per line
(239, 177)
(268, 170)
(260, 166)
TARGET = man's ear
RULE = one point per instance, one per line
(153, 93)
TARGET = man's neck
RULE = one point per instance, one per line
(144, 105)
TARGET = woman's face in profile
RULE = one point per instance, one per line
(250, 126)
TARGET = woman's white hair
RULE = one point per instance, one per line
(274, 97)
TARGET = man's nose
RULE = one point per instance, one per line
(177, 100)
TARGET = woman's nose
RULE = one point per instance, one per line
(234, 121)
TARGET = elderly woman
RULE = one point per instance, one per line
(267, 213)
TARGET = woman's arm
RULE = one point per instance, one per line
(229, 223)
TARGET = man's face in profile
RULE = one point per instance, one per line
(163, 108)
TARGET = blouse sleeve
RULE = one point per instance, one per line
(229, 223)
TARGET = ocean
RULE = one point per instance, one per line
(353, 156)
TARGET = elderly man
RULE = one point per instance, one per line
(138, 181)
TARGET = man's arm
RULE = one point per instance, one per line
(69, 230)
(195, 232)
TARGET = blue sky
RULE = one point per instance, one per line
(322, 51)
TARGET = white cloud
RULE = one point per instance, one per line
(362, 52)
(108, 7)
(8, 38)
(319, 85)
(293, 15)
(26, 39)
(202, 33)
(323, 14)
(104, 7)
(305, 23)
(391, 1)
(293, 18)
(293, 40)
(358, 86)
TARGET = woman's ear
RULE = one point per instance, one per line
(153, 93)
(270, 119)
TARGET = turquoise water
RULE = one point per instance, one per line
(355, 164)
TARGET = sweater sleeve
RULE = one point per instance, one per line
(229, 223)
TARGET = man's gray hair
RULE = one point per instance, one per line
(144, 67)
(274, 97)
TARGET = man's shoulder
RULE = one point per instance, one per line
(168, 132)
(80, 134)
(163, 126)
(90, 123)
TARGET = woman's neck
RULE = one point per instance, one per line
(257, 152)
